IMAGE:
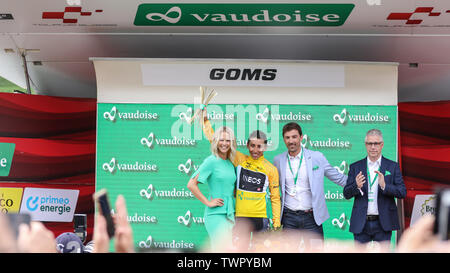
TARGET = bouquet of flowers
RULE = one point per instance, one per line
(204, 101)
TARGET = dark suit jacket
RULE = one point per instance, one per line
(387, 209)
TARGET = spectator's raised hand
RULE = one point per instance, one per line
(100, 236)
(420, 238)
(7, 240)
(36, 238)
(124, 235)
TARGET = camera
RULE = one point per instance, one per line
(442, 224)
(80, 226)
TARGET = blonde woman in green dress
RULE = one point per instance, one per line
(218, 172)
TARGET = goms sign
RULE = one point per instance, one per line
(242, 14)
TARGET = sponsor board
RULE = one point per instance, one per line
(168, 143)
(6, 157)
(49, 205)
(10, 199)
(279, 75)
(423, 204)
(236, 14)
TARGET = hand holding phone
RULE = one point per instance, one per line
(442, 219)
(101, 197)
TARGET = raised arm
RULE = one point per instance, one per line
(207, 128)
(209, 133)
(275, 199)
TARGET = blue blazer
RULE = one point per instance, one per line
(387, 209)
(317, 167)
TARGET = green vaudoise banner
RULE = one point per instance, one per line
(147, 152)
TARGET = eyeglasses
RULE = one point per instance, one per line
(373, 143)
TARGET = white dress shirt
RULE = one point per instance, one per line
(372, 208)
(302, 199)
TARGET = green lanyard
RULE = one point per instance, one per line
(368, 175)
(299, 165)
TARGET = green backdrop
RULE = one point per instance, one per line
(147, 153)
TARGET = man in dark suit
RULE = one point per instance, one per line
(374, 182)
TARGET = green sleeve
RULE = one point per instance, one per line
(205, 170)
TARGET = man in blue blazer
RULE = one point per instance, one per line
(374, 182)
(302, 174)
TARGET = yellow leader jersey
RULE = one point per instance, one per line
(258, 187)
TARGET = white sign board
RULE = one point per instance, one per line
(218, 74)
(247, 81)
(423, 204)
(53, 205)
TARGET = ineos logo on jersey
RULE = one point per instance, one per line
(245, 74)
(250, 179)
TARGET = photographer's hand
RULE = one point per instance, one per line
(123, 241)
(36, 238)
(420, 238)
(100, 236)
(7, 241)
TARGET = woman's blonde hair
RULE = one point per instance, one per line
(215, 142)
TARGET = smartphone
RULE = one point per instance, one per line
(101, 197)
(80, 226)
(442, 224)
(15, 219)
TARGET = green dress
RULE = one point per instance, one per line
(220, 176)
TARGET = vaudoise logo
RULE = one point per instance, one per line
(140, 218)
(113, 165)
(274, 114)
(336, 143)
(150, 193)
(342, 168)
(152, 243)
(341, 222)
(242, 14)
(188, 167)
(188, 219)
(150, 141)
(114, 114)
(344, 117)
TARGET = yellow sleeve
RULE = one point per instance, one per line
(208, 130)
(209, 133)
(239, 158)
(275, 199)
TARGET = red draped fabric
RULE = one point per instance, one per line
(424, 148)
(54, 147)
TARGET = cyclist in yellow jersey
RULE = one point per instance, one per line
(257, 192)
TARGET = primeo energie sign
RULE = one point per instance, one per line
(242, 14)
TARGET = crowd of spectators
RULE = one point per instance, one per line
(36, 238)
